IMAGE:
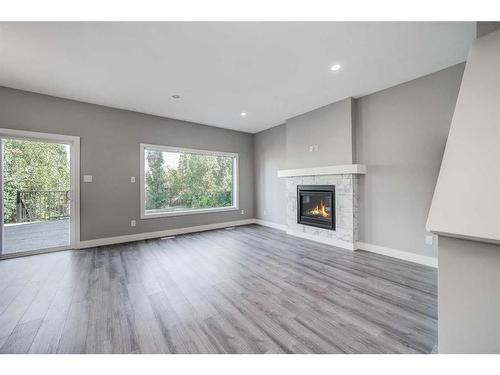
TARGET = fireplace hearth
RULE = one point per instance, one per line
(316, 205)
(322, 204)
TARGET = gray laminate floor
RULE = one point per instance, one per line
(248, 290)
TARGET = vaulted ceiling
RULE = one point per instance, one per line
(270, 71)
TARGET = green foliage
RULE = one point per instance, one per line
(156, 181)
(32, 165)
(200, 181)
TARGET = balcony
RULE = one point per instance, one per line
(41, 221)
(35, 235)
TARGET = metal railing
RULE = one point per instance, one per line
(35, 205)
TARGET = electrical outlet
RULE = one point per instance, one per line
(132, 223)
(311, 148)
(316, 148)
(132, 179)
(429, 240)
(243, 212)
(87, 178)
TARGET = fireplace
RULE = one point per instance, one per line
(316, 205)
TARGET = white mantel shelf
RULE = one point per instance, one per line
(328, 170)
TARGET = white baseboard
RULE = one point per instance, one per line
(399, 254)
(271, 224)
(328, 241)
(162, 233)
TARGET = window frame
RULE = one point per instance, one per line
(235, 156)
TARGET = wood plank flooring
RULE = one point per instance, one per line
(248, 290)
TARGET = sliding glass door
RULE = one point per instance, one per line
(36, 194)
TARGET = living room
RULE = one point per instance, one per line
(249, 187)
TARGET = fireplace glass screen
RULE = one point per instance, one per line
(316, 205)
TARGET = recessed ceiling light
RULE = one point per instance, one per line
(176, 96)
(335, 67)
(243, 114)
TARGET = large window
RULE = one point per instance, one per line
(179, 181)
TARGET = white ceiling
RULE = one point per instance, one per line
(272, 71)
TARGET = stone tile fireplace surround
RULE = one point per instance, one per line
(345, 178)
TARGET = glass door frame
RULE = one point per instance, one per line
(74, 146)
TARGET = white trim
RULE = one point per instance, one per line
(188, 150)
(75, 193)
(74, 143)
(236, 181)
(466, 237)
(188, 212)
(328, 241)
(393, 253)
(399, 254)
(36, 136)
(328, 170)
(270, 224)
(19, 254)
(162, 233)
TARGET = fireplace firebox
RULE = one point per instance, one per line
(316, 205)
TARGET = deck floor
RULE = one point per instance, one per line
(248, 290)
(35, 235)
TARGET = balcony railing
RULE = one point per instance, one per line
(36, 205)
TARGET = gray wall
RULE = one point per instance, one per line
(329, 127)
(269, 157)
(484, 28)
(287, 146)
(400, 135)
(110, 141)
(469, 297)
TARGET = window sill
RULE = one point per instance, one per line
(190, 212)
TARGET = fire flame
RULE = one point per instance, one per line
(319, 210)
